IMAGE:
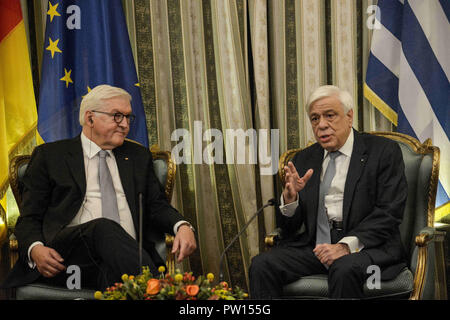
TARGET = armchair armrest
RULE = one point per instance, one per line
(13, 250)
(272, 238)
(426, 235)
(427, 238)
(170, 259)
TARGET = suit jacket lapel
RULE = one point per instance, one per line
(356, 167)
(125, 164)
(313, 190)
(75, 162)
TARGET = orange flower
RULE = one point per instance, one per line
(188, 277)
(192, 290)
(152, 286)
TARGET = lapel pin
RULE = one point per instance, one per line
(126, 158)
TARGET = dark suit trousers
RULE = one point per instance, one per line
(284, 264)
(102, 249)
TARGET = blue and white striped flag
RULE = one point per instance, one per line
(408, 75)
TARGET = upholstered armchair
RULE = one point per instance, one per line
(424, 278)
(165, 170)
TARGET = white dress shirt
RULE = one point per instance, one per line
(334, 200)
(91, 208)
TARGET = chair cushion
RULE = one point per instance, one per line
(316, 287)
(400, 286)
(40, 291)
(160, 167)
(309, 287)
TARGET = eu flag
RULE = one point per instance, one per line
(86, 44)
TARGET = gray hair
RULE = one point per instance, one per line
(328, 91)
(93, 100)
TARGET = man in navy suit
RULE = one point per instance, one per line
(362, 206)
(68, 218)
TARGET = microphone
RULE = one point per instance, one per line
(140, 230)
(269, 203)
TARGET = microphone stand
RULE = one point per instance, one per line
(140, 230)
(269, 203)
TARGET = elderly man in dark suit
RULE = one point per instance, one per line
(80, 202)
(348, 192)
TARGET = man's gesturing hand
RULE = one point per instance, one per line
(294, 184)
(48, 261)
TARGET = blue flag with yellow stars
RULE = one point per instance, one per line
(86, 44)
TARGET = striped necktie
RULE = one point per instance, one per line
(323, 226)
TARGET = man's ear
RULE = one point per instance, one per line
(350, 117)
(88, 118)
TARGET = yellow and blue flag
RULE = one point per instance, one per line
(408, 75)
(18, 114)
(86, 44)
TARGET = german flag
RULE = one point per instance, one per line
(18, 115)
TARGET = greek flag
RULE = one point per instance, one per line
(408, 75)
(86, 44)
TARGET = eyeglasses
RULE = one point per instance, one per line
(118, 116)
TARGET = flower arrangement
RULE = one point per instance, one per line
(176, 286)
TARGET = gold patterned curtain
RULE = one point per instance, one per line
(207, 66)
(193, 66)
